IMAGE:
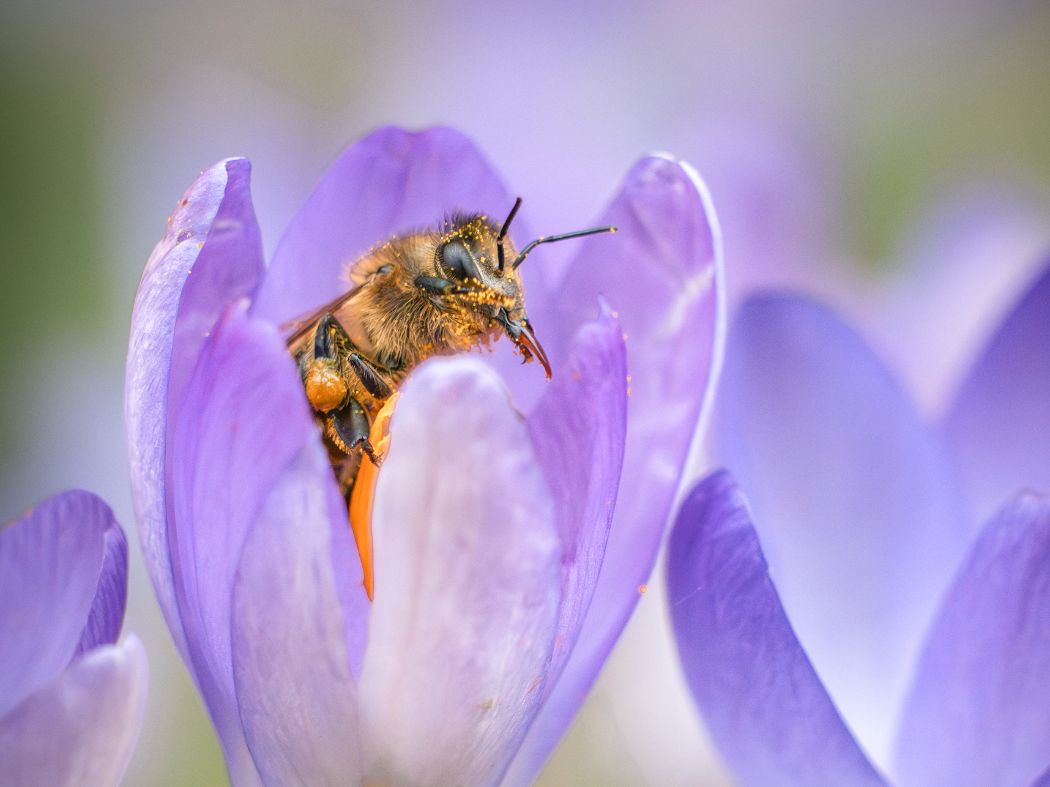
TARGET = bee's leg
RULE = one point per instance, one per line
(330, 332)
(435, 286)
(370, 377)
(328, 328)
(326, 389)
(348, 429)
(513, 330)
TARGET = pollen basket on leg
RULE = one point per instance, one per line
(325, 387)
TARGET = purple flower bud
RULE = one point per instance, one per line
(71, 695)
(508, 550)
(902, 624)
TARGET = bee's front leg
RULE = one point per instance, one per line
(348, 429)
(370, 376)
(432, 285)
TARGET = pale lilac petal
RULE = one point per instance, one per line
(298, 700)
(50, 563)
(466, 587)
(111, 595)
(999, 424)
(389, 182)
(80, 729)
(662, 273)
(244, 420)
(857, 510)
(764, 705)
(979, 710)
(212, 233)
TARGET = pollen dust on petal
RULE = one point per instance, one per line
(363, 496)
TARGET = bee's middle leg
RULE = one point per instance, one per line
(348, 428)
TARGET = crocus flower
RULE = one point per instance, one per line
(71, 695)
(900, 629)
(502, 574)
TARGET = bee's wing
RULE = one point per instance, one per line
(296, 330)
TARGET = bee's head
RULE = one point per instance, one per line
(480, 261)
(469, 255)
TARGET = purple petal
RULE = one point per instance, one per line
(945, 262)
(999, 424)
(468, 566)
(577, 432)
(298, 700)
(244, 421)
(81, 728)
(389, 182)
(1043, 780)
(50, 564)
(662, 272)
(111, 596)
(979, 710)
(763, 703)
(212, 234)
(857, 510)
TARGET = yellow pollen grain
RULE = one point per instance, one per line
(643, 589)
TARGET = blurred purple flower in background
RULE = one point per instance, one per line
(888, 633)
(71, 696)
(503, 575)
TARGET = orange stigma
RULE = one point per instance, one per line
(362, 499)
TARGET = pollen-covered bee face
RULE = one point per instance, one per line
(468, 257)
(490, 297)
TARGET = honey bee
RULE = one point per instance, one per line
(434, 292)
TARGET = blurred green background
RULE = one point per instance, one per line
(851, 148)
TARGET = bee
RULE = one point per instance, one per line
(434, 292)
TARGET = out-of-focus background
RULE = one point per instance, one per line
(892, 157)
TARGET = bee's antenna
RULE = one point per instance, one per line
(553, 238)
(503, 233)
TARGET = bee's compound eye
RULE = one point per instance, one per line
(456, 262)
